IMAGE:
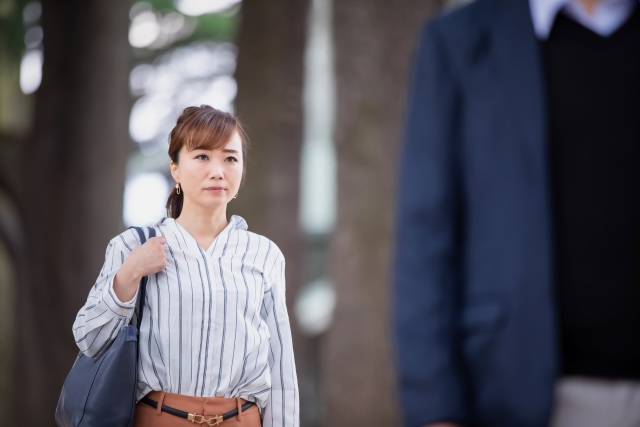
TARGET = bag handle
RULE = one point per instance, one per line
(143, 282)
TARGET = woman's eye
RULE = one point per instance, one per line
(231, 159)
(202, 157)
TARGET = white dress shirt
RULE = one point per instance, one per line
(215, 321)
(607, 17)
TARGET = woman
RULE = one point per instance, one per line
(215, 332)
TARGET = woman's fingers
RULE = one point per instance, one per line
(160, 257)
(150, 257)
(159, 239)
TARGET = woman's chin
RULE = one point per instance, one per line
(214, 203)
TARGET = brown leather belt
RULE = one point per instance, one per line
(194, 418)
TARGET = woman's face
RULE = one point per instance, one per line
(210, 178)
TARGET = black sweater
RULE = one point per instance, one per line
(594, 104)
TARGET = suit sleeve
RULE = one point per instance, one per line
(103, 315)
(427, 266)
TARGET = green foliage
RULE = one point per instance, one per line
(160, 4)
(215, 26)
(12, 27)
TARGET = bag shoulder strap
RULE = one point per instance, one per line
(143, 282)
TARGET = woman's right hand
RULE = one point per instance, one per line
(144, 260)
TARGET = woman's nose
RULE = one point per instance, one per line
(216, 171)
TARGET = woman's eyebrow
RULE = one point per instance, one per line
(228, 150)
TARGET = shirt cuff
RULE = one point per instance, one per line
(114, 304)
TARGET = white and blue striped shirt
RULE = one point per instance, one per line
(214, 324)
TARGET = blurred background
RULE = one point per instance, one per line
(88, 93)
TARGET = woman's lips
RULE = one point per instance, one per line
(215, 189)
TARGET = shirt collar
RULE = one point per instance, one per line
(239, 223)
(605, 20)
(236, 222)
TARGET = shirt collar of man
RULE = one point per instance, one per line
(608, 16)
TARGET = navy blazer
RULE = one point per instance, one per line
(474, 296)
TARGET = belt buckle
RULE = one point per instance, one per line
(200, 419)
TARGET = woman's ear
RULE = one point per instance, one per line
(174, 171)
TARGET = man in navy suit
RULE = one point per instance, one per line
(517, 271)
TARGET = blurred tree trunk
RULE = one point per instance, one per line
(269, 103)
(269, 73)
(374, 42)
(72, 182)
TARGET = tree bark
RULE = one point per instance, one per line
(269, 102)
(72, 188)
(374, 41)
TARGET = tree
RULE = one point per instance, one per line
(269, 103)
(374, 41)
(269, 74)
(271, 44)
(70, 188)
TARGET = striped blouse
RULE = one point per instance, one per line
(215, 321)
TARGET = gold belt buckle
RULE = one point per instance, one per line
(200, 419)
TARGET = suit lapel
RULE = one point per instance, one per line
(521, 67)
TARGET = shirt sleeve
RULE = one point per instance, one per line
(100, 319)
(282, 407)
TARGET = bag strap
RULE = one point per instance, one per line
(143, 282)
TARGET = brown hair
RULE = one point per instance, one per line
(202, 128)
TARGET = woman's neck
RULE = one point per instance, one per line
(203, 224)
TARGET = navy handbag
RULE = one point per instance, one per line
(102, 392)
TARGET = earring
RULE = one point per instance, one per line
(178, 188)
(236, 196)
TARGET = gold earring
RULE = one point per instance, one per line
(236, 196)
(177, 188)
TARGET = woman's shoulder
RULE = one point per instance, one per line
(254, 240)
(264, 245)
(128, 239)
